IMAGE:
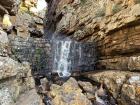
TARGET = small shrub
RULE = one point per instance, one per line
(100, 12)
(116, 8)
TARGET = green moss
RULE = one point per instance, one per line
(116, 8)
(38, 58)
(100, 12)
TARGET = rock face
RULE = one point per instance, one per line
(116, 36)
(114, 26)
(15, 77)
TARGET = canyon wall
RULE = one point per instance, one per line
(112, 25)
(17, 86)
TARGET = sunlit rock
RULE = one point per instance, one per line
(6, 22)
(69, 94)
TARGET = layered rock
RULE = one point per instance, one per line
(16, 79)
(124, 86)
(114, 26)
(116, 36)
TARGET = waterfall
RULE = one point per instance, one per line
(69, 56)
(62, 63)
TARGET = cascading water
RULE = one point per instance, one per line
(62, 62)
(63, 55)
(69, 56)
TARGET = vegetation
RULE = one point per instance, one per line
(100, 12)
(116, 8)
(39, 59)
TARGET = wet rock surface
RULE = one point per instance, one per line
(112, 25)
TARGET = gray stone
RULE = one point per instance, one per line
(5, 97)
(29, 98)
(4, 47)
(8, 67)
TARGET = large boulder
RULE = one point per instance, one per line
(68, 94)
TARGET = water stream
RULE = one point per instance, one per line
(62, 62)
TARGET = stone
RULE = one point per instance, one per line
(15, 78)
(4, 37)
(130, 91)
(5, 97)
(8, 67)
(29, 98)
(90, 96)
(87, 86)
(68, 94)
(22, 22)
(4, 44)
(112, 79)
(11, 6)
(124, 86)
(109, 7)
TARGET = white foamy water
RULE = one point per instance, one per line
(62, 64)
